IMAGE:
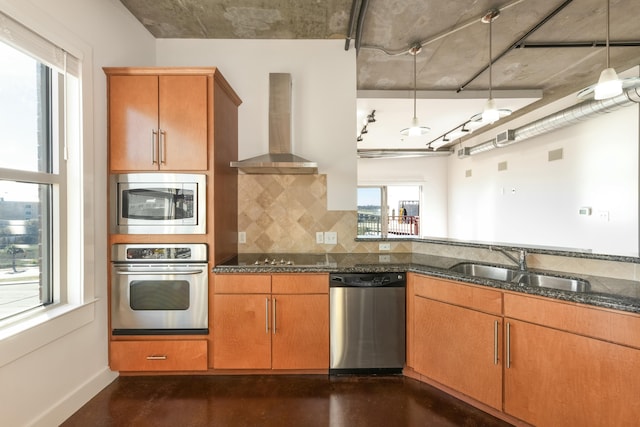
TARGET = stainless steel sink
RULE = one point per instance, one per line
(554, 282)
(525, 278)
(486, 271)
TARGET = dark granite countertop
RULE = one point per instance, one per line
(604, 292)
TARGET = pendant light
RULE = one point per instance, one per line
(609, 85)
(415, 129)
(490, 113)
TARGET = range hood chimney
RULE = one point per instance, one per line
(280, 159)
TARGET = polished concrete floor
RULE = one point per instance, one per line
(308, 401)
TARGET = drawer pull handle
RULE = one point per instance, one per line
(157, 357)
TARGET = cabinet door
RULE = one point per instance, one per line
(241, 331)
(183, 122)
(301, 331)
(133, 119)
(558, 378)
(459, 348)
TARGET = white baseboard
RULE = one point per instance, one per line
(73, 401)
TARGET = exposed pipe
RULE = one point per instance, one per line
(439, 36)
(360, 24)
(352, 20)
(550, 45)
(516, 43)
(567, 117)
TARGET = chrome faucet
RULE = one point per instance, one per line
(521, 261)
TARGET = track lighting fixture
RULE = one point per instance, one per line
(371, 118)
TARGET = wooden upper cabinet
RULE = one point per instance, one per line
(183, 122)
(158, 122)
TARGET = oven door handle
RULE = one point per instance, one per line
(147, 272)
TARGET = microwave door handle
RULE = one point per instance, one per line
(140, 273)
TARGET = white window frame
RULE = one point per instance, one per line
(76, 302)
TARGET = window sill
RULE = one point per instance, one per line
(49, 324)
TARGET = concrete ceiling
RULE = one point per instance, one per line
(454, 57)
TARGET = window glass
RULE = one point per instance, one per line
(24, 112)
(370, 211)
(30, 117)
(25, 234)
(389, 211)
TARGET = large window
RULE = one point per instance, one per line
(37, 120)
(389, 211)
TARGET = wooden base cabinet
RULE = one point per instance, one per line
(271, 322)
(558, 378)
(459, 347)
(161, 355)
(535, 360)
(570, 364)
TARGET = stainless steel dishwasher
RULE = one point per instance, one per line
(367, 323)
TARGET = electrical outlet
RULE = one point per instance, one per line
(603, 216)
(330, 237)
(319, 237)
(242, 237)
(384, 258)
(384, 247)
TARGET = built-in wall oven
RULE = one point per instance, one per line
(158, 203)
(159, 289)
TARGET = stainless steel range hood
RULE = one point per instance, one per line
(280, 159)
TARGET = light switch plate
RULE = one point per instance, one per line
(242, 237)
(319, 237)
(330, 237)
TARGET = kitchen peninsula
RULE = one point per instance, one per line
(512, 350)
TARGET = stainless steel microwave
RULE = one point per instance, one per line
(158, 203)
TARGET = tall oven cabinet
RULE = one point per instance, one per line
(174, 120)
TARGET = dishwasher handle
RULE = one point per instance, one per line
(364, 280)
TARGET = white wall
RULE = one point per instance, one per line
(46, 385)
(428, 172)
(324, 98)
(537, 202)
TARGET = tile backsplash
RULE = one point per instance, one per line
(282, 213)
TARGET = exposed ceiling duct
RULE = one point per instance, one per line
(280, 159)
(379, 153)
(566, 117)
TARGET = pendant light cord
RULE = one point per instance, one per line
(608, 58)
(415, 86)
(490, 59)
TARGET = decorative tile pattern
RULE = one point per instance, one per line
(282, 213)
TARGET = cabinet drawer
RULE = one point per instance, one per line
(159, 355)
(242, 284)
(300, 283)
(621, 328)
(486, 300)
